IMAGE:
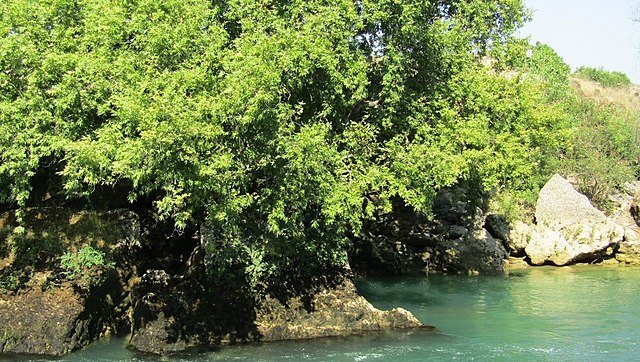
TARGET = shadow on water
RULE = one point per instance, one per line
(539, 314)
(358, 347)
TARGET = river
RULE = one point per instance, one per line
(582, 313)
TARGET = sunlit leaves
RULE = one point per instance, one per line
(284, 125)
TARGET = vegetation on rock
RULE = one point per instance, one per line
(283, 126)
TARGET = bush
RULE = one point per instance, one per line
(75, 264)
(601, 155)
(604, 77)
(551, 68)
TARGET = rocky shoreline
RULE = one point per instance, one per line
(161, 297)
(464, 239)
(45, 311)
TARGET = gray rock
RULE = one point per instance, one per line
(560, 205)
(477, 252)
(514, 237)
(518, 238)
(569, 229)
(626, 211)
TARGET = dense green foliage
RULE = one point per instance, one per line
(605, 148)
(598, 142)
(282, 125)
(604, 77)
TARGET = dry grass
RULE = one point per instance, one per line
(627, 97)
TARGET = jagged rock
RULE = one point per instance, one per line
(172, 320)
(449, 206)
(518, 238)
(154, 325)
(498, 226)
(335, 311)
(513, 263)
(477, 252)
(393, 244)
(39, 322)
(176, 312)
(626, 211)
(569, 229)
(43, 314)
(514, 237)
(560, 205)
(457, 231)
(629, 253)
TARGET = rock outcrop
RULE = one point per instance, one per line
(627, 215)
(334, 311)
(454, 241)
(173, 313)
(42, 311)
(568, 228)
(475, 252)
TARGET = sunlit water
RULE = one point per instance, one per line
(541, 314)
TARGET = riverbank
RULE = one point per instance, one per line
(105, 273)
(72, 277)
(572, 313)
(108, 273)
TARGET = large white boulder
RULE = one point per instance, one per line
(569, 229)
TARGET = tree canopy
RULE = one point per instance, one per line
(283, 124)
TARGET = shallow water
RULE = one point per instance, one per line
(538, 314)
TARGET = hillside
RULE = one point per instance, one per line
(627, 97)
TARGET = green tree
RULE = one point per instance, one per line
(282, 124)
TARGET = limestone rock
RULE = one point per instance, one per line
(516, 263)
(518, 238)
(629, 253)
(569, 229)
(560, 205)
(626, 211)
(336, 311)
(43, 313)
(477, 252)
(173, 313)
(514, 237)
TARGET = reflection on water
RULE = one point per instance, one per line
(538, 314)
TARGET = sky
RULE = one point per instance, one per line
(594, 33)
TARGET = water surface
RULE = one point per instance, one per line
(537, 314)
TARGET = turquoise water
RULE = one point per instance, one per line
(538, 314)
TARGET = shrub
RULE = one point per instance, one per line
(602, 155)
(76, 263)
(604, 77)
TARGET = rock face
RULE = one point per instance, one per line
(335, 311)
(41, 311)
(560, 205)
(627, 214)
(37, 322)
(569, 229)
(173, 313)
(455, 241)
(472, 253)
